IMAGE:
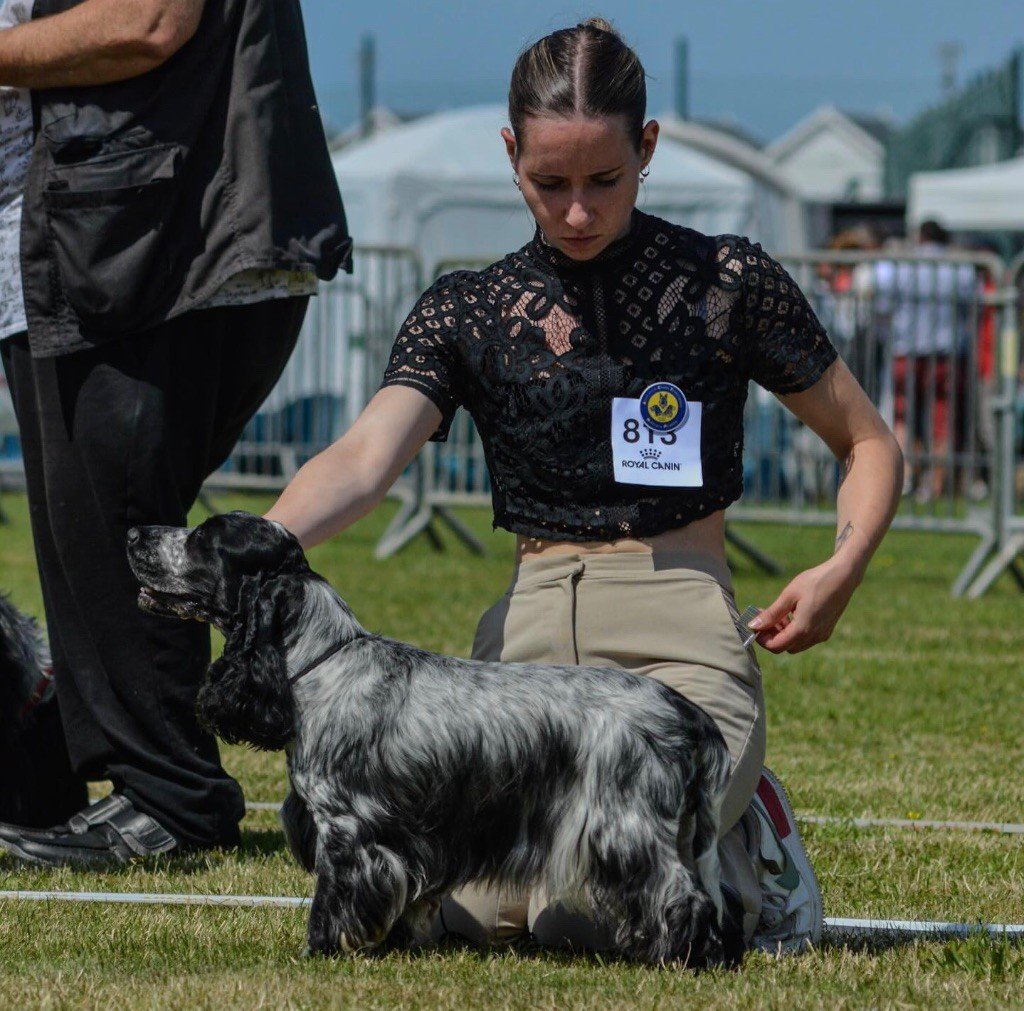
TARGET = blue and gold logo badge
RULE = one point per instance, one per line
(663, 407)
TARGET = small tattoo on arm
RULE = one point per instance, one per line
(844, 535)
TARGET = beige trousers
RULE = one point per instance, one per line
(669, 616)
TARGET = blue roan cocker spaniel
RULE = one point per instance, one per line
(413, 773)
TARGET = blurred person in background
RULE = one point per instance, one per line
(845, 311)
(176, 205)
(606, 365)
(980, 405)
(927, 309)
(849, 318)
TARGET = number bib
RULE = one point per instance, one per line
(665, 459)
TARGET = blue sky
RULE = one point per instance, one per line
(762, 63)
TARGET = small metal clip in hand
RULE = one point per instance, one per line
(748, 635)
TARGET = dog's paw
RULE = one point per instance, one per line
(311, 952)
(321, 947)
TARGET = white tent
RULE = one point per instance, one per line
(989, 198)
(443, 186)
(776, 212)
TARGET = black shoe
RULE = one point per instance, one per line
(108, 834)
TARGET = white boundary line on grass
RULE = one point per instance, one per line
(1001, 828)
(928, 928)
(835, 926)
(161, 899)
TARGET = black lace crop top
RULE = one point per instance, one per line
(537, 346)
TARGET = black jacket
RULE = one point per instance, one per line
(144, 196)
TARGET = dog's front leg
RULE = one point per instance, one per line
(324, 927)
(360, 894)
(299, 830)
(418, 925)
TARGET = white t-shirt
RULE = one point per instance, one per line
(15, 151)
(929, 304)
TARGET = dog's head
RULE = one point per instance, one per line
(206, 572)
(245, 575)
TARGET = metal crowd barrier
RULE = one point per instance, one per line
(1002, 550)
(337, 366)
(935, 342)
(923, 335)
(338, 361)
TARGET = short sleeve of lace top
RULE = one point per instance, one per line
(789, 348)
(424, 355)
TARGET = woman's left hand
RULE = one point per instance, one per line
(838, 410)
(808, 609)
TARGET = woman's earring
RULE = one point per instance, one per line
(515, 179)
(644, 173)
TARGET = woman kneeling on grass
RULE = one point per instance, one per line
(606, 365)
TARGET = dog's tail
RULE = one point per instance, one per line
(699, 831)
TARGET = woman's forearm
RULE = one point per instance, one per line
(869, 495)
(344, 482)
(328, 494)
(810, 605)
(807, 610)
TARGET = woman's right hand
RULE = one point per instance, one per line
(350, 477)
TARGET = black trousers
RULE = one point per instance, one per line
(112, 437)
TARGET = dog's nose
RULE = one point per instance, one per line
(134, 535)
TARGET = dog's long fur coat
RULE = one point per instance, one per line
(37, 786)
(414, 774)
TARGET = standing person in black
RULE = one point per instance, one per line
(179, 206)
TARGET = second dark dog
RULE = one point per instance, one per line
(37, 786)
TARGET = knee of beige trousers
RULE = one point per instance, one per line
(484, 915)
(478, 913)
(557, 924)
(489, 917)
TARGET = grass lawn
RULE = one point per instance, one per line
(914, 709)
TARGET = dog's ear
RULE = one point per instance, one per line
(293, 558)
(246, 698)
